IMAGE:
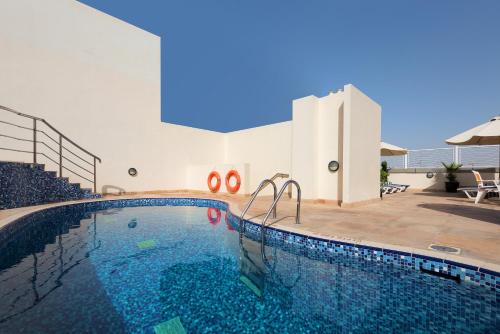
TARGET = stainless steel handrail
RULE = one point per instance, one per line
(256, 192)
(273, 207)
(58, 142)
(51, 127)
(275, 176)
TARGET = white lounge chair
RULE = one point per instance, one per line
(402, 187)
(483, 188)
(390, 188)
(387, 190)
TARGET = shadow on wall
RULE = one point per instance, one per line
(110, 189)
(477, 213)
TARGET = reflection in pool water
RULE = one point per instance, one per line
(133, 223)
(88, 270)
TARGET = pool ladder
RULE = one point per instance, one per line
(272, 209)
(275, 176)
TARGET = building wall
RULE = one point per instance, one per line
(305, 144)
(183, 146)
(330, 141)
(266, 149)
(342, 126)
(96, 79)
(361, 148)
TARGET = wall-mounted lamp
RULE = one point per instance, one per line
(132, 171)
(333, 166)
(429, 175)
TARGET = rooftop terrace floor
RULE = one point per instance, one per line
(409, 221)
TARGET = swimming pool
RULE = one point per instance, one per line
(136, 265)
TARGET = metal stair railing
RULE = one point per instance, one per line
(89, 169)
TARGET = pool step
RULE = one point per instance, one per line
(248, 282)
(172, 326)
(252, 269)
(26, 184)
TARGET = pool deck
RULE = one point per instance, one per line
(409, 221)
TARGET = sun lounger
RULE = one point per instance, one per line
(390, 188)
(483, 188)
(385, 190)
(402, 187)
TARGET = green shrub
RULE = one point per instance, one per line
(384, 172)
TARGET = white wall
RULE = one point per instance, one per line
(317, 139)
(96, 79)
(266, 149)
(362, 124)
(305, 145)
(330, 142)
(182, 146)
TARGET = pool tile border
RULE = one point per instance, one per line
(321, 247)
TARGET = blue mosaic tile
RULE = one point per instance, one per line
(24, 184)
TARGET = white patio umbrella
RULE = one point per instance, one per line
(389, 149)
(484, 134)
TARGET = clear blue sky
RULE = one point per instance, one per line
(434, 66)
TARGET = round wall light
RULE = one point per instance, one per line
(333, 166)
(429, 175)
(132, 171)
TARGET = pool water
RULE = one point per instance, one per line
(128, 269)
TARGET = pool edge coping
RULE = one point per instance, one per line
(466, 262)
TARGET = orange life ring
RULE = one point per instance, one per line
(215, 188)
(233, 189)
(211, 219)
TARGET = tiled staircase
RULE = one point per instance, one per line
(25, 184)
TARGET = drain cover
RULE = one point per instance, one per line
(445, 249)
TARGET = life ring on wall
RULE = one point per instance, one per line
(233, 189)
(211, 219)
(212, 188)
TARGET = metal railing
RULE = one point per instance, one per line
(273, 207)
(468, 156)
(261, 186)
(87, 170)
(279, 175)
